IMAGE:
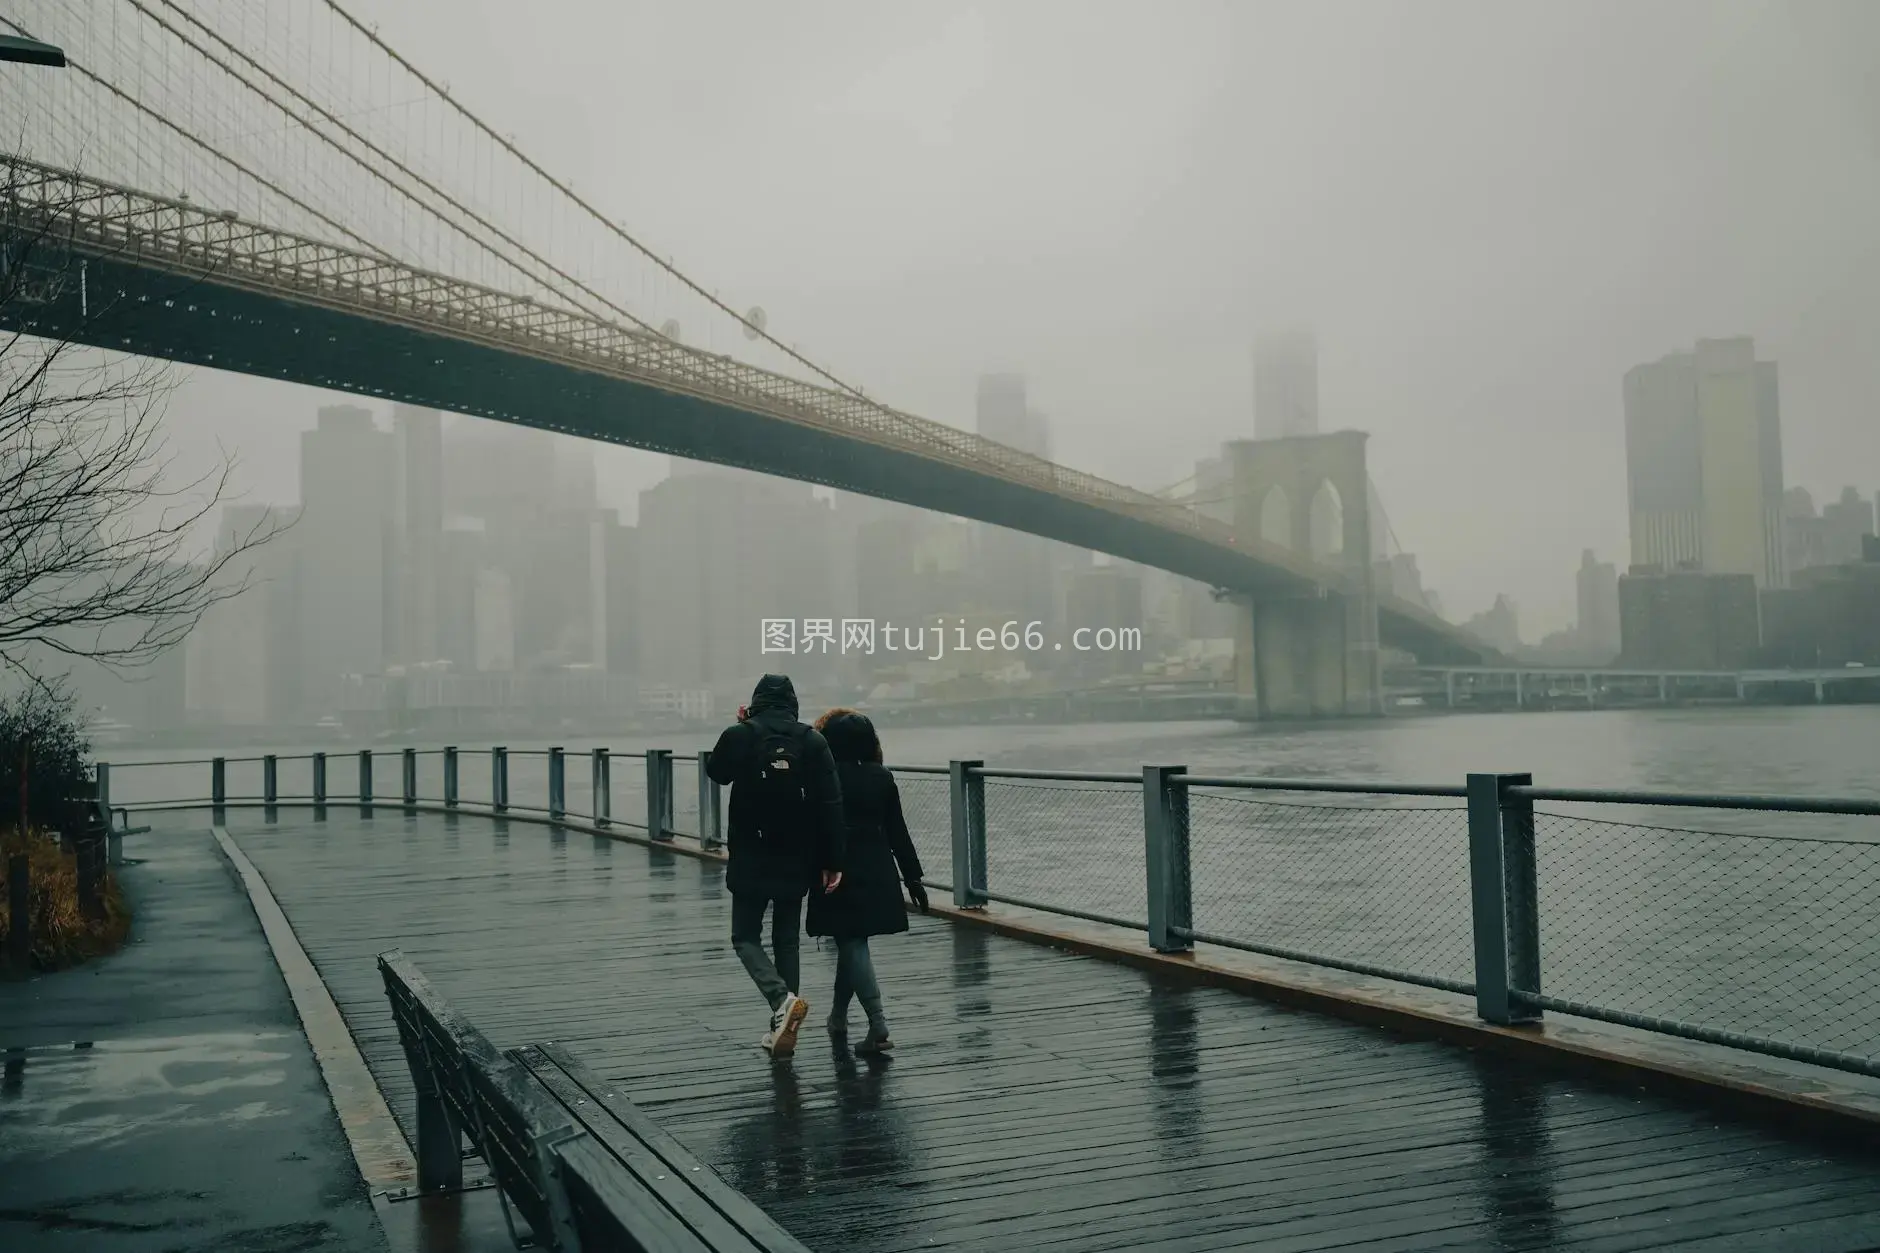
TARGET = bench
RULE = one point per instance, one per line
(588, 1172)
(89, 814)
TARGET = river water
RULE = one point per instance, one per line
(1762, 923)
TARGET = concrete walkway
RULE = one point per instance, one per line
(165, 1099)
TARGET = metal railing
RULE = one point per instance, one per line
(1729, 932)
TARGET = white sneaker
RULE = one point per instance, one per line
(780, 1040)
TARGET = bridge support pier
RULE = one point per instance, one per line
(1310, 652)
(1307, 657)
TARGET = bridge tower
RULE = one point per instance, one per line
(1311, 654)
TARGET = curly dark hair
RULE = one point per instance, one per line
(851, 735)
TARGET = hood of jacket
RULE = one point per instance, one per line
(774, 694)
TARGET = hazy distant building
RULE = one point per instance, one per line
(1804, 534)
(347, 550)
(1285, 385)
(1398, 575)
(242, 662)
(1597, 626)
(1004, 414)
(621, 583)
(493, 619)
(1704, 462)
(1499, 626)
(1688, 620)
(1844, 523)
(1829, 617)
(721, 551)
(1104, 599)
(1015, 570)
(418, 436)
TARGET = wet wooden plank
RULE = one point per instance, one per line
(1037, 1099)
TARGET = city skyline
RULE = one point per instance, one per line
(1474, 299)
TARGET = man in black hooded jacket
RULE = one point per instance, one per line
(785, 839)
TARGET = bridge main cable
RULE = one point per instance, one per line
(612, 226)
(379, 152)
(211, 149)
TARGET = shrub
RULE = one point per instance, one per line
(61, 934)
(39, 726)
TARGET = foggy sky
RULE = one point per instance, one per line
(1488, 212)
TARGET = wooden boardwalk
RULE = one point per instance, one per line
(1037, 1100)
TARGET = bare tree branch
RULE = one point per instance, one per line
(95, 531)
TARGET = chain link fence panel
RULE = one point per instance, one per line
(1769, 936)
(1069, 846)
(926, 803)
(1380, 884)
(684, 796)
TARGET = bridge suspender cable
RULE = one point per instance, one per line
(213, 151)
(391, 160)
(590, 210)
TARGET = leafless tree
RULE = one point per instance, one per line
(96, 527)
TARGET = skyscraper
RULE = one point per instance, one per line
(418, 435)
(1285, 385)
(1704, 462)
(1597, 585)
(1004, 415)
(1015, 569)
(347, 545)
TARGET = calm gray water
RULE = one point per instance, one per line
(1762, 923)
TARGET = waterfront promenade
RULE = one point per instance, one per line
(165, 1097)
(1038, 1099)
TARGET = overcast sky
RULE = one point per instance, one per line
(1489, 211)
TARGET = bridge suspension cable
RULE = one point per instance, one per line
(604, 221)
(73, 64)
(393, 161)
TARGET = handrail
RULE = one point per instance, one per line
(1213, 868)
(1853, 806)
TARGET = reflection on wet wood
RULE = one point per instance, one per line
(1036, 1099)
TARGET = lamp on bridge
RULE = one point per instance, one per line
(31, 52)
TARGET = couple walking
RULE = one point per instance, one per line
(814, 814)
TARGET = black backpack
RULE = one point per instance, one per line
(779, 783)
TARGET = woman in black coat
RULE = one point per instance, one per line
(868, 900)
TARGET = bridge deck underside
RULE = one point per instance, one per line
(203, 321)
(1037, 1100)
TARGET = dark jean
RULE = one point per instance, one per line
(774, 979)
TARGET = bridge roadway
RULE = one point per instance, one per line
(1037, 1099)
(165, 278)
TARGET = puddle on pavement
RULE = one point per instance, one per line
(55, 1098)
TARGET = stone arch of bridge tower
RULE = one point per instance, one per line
(1324, 475)
(1325, 523)
(1276, 520)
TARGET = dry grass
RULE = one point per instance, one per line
(62, 935)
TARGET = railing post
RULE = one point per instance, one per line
(557, 783)
(90, 868)
(711, 830)
(114, 838)
(602, 785)
(365, 778)
(1165, 850)
(450, 777)
(319, 779)
(967, 795)
(270, 779)
(218, 782)
(1501, 884)
(499, 779)
(1522, 869)
(408, 776)
(659, 793)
